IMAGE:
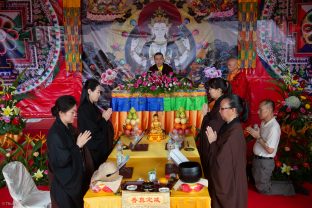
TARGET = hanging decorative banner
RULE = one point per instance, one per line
(72, 39)
(247, 37)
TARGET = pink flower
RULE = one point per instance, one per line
(144, 83)
(121, 86)
(108, 77)
(144, 74)
(153, 88)
(139, 81)
(171, 74)
(6, 119)
(283, 102)
(175, 79)
(46, 172)
(302, 110)
(212, 72)
(135, 85)
(109, 72)
(110, 82)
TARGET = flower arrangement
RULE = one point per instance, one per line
(156, 83)
(10, 118)
(108, 77)
(212, 72)
(294, 156)
(32, 153)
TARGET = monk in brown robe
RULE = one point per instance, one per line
(227, 157)
(217, 88)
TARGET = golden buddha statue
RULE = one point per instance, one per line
(156, 132)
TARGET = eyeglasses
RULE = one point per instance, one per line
(261, 109)
(225, 108)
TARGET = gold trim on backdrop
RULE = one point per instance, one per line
(71, 3)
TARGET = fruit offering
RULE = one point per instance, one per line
(131, 123)
(181, 123)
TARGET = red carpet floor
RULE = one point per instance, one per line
(255, 200)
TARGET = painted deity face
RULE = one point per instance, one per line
(306, 28)
(160, 29)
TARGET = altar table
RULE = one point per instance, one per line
(164, 104)
(144, 161)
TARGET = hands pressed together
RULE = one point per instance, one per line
(211, 134)
(205, 109)
(255, 133)
(107, 114)
(83, 138)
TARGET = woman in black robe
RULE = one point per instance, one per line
(227, 157)
(64, 156)
(91, 118)
(217, 87)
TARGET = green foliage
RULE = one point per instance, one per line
(294, 156)
(32, 153)
(10, 118)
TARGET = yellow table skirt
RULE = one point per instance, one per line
(144, 161)
(178, 199)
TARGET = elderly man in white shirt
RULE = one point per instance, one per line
(264, 150)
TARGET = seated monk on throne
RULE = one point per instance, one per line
(160, 66)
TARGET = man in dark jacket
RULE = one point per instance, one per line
(160, 65)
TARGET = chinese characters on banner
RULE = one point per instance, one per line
(132, 199)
